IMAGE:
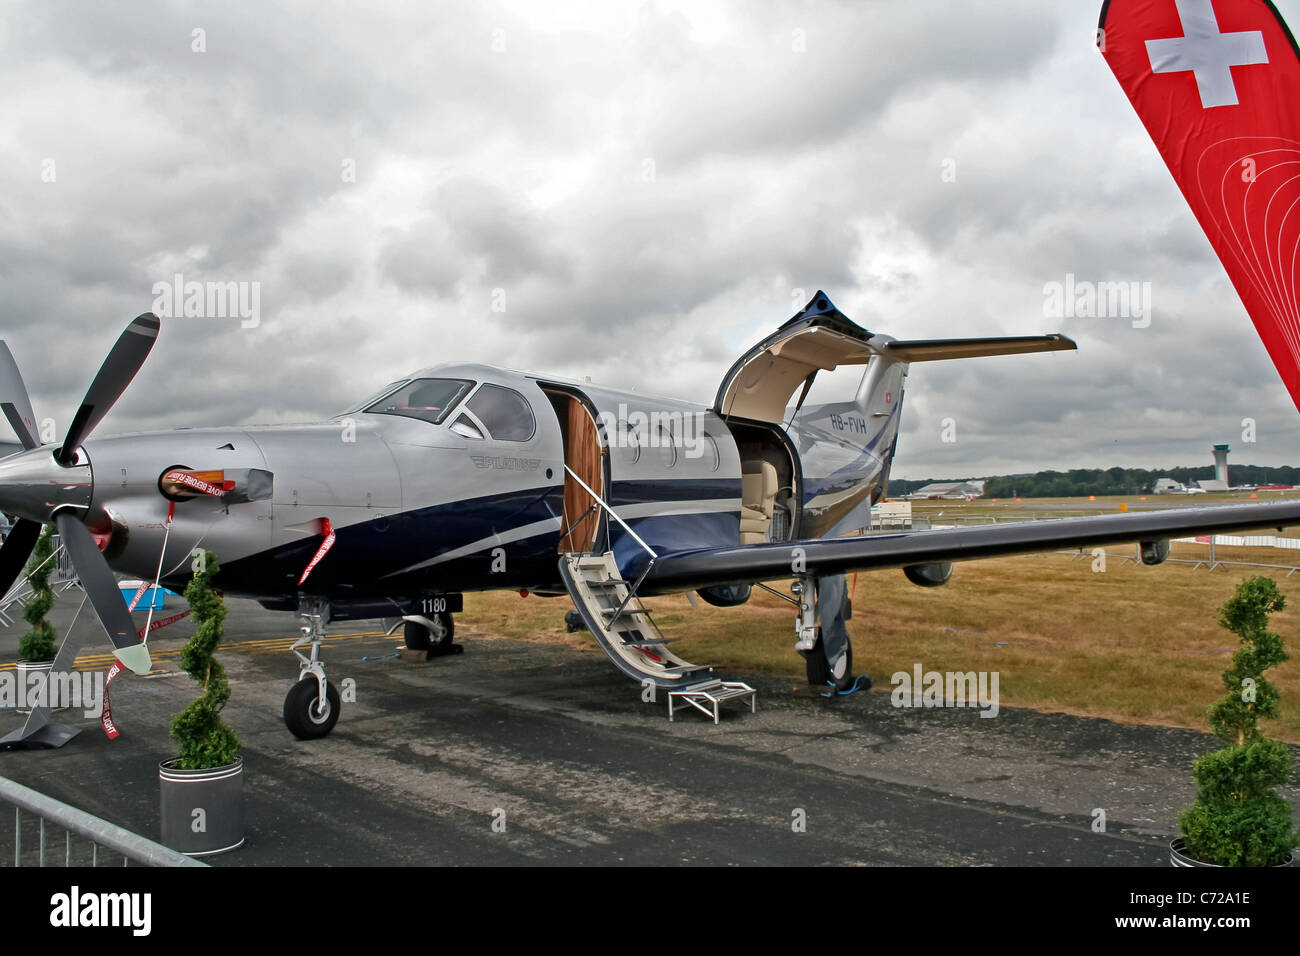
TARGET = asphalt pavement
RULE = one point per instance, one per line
(520, 753)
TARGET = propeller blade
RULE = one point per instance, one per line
(17, 549)
(124, 360)
(101, 587)
(14, 400)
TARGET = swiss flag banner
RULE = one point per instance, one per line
(1217, 85)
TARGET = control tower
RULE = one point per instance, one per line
(1221, 464)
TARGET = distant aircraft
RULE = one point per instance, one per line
(467, 477)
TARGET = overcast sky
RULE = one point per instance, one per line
(634, 192)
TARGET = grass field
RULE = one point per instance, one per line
(1135, 644)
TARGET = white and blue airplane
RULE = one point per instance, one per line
(462, 478)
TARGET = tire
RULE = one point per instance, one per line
(420, 639)
(819, 672)
(300, 714)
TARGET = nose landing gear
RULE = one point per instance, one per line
(312, 706)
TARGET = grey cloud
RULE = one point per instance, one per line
(522, 169)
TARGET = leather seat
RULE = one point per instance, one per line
(758, 484)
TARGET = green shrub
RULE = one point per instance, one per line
(206, 742)
(1238, 819)
(38, 644)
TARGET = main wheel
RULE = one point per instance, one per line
(819, 670)
(419, 638)
(302, 715)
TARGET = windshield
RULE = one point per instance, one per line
(372, 398)
(428, 399)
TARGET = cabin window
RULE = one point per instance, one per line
(667, 444)
(712, 457)
(428, 399)
(504, 413)
(629, 439)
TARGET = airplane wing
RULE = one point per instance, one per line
(746, 564)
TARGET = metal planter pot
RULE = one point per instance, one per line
(202, 810)
(1178, 856)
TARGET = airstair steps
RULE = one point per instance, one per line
(622, 626)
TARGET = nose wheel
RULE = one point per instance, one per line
(312, 706)
(305, 715)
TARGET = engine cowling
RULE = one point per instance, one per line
(931, 575)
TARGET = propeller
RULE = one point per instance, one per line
(14, 401)
(31, 478)
(17, 549)
(124, 360)
(101, 588)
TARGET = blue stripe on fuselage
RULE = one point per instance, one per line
(366, 552)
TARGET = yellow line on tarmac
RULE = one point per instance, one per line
(98, 661)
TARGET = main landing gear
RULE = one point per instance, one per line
(312, 707)
(821, 637)
(431, 633)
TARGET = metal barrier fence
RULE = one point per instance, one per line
(62, 579)
(45, 828)
(1210, 563)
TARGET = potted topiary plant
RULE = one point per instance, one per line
(1238, 818)
(202, 788)
(36, 647)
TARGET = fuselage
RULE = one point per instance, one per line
(479, 498)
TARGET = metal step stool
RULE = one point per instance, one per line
(711, 693)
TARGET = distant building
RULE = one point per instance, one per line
(945, 490)
(1167, 486)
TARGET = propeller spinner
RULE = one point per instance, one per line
(42, 487)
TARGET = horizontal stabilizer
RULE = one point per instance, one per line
(932, 350)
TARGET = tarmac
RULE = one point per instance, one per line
(524, 753)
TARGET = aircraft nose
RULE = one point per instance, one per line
(34, 485)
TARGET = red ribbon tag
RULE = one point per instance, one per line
(198, 484)
(106, 713)
(162, 622)
(328, 531)
(139, 593)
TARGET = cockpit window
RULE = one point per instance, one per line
(428, 399)
(371, 399)
(504, 413)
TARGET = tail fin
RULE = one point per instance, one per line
(880, 394)
(841, 495)
(1216, 83)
